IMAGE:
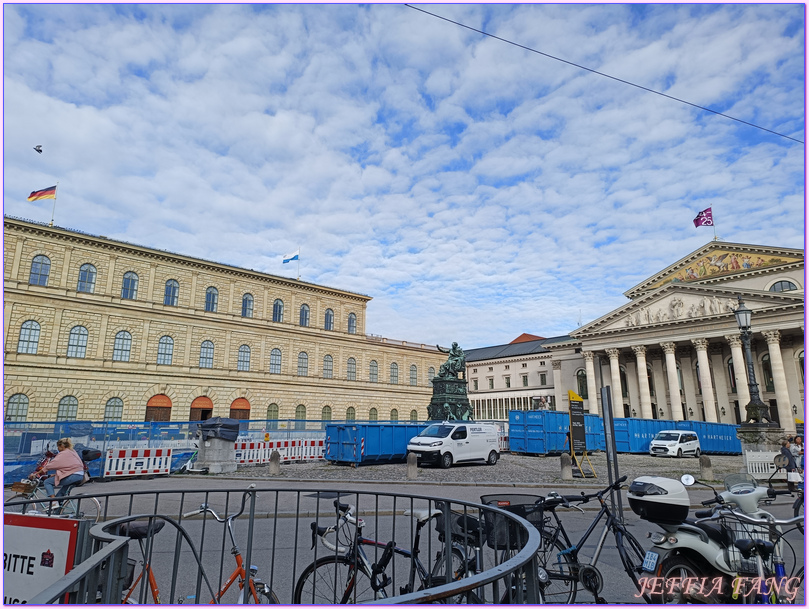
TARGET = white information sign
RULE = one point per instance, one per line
(37, 551)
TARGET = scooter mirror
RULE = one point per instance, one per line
(780, 461)
(687, 479)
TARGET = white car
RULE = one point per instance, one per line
(675, 443)
(455, 442)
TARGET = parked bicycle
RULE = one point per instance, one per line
(257, 591)
(560, 557)
(347, 575)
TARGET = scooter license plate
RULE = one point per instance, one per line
(650, 561)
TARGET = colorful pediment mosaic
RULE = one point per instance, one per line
(719, 263)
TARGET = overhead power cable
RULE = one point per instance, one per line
(621, 80)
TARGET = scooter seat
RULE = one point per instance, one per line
(713, 532)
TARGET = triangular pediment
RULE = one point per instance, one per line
(677, 303)
(719, 260)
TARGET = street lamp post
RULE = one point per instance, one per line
(756, 410)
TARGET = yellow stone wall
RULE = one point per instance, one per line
(50, 375)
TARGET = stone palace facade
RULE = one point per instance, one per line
(674, 349)
(101, 329)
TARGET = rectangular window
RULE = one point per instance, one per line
(542, 379)
(474, 384)
(491, 383)
(542, 363)
(525, 380)
(506, 366)
(508, 382)
(525, 365)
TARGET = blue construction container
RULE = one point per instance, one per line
(365, 442)
(541, 432)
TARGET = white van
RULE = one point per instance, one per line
(454, 442)
(675, 443)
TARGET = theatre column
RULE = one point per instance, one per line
(643, 382)
(673, 382)
(739, 370)
(780, 380)
(701, 345)
(592, 389)
(615, 387)
(559, 393)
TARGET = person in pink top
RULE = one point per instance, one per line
(68, 466)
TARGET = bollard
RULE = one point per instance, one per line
(705, 468)
(567, 466)
(412, 466)
(275, 463)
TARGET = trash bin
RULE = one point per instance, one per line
(217, 449)
(220, 427)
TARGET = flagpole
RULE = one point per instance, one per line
(299, 262)
(53, 210)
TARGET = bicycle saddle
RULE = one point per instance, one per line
(747, 546)
(140, 529)
(712, 531)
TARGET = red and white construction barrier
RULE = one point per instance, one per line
(290, 451)
(137, 462)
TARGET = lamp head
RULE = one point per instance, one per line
(743, 316)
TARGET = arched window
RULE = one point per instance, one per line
(414, 415)
(394, 373)
(206, 354)
(300, 416)
(40, 269)
(351, 413)
(766, 369)
(394, 414)
(211, 299)
(122, 346)
(244, 359)
(272, 415)
(328, 367)
(783, 286)
(303, 364)
(325, 413)
(373, 415)
(165, 350)
(414, 375)
(68, 409)
(430, 375)
(278, 310)
(731, 375)
(87, 279)
(17, 408)
(352, 323)
(328, 322)
(351, 369)
(304, 317)
(373, 372)
(77, 342)
(247, 305)
(29, 337)
(114, 410)
(275, 361)
(581, 383)
(171, 293)
(129, 288)
(651, 378)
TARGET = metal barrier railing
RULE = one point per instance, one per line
(492, 561)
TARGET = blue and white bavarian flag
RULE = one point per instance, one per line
(293, 256)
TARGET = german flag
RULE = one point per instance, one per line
(45, 193)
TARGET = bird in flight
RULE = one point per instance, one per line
(38, 148)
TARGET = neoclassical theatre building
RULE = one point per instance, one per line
(100, 329)
(674, 349)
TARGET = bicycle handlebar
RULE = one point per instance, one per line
(346, 512)
(206, 508)
(724, 512)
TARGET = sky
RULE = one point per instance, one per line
(474, 188)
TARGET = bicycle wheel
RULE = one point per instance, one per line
(797, 510)
(800, 592)
(265, 595)
(632, 556)
(677, 569)
(19, 509)
(79, 506)
(333, 580)
(562, 571)
(458, 564)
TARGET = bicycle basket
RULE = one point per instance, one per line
(503, 534)
(23, 486)
(742, 530)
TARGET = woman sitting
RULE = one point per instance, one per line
(68, 466)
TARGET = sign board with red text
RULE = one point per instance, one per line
(37, 551)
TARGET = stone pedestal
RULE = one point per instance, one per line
(449, 401)
(218, 455)
(757, 437)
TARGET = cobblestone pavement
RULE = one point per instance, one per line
(511, 469)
